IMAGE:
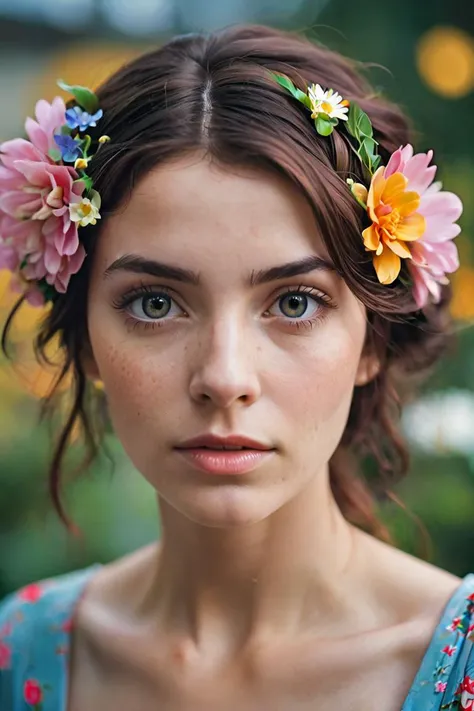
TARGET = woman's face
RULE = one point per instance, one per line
(214, 310)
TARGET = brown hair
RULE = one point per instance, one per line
(214, 93)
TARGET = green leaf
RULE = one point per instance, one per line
(376, 162)
(354, 112)
(55, 154)
(323, 127)
(84, 96)
(88, 182)
(367, 153)
(303, 98)
(363, 124)
(65, 130)
(287, 84)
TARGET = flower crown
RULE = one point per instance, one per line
(410, 216)
(46, 196)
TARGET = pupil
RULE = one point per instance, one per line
(155, 306)
(294, 305)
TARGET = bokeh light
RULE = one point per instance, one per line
(445, 60)
(86, 64)
(138, 17)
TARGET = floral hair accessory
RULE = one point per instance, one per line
(46, 195)
(410, 216)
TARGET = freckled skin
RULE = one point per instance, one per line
(224, 366)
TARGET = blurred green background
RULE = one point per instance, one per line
(422, 55)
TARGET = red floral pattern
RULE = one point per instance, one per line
(466, 694)
(5, 655)
(31, 593)
(32, 692)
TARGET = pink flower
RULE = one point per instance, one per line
(5, 656)
(449, 650)
(434, 254)
(440, 686)
(32, 692)
(49, 119)
(35, 201)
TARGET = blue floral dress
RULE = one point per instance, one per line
(35, 631)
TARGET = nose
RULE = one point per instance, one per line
(224, 372)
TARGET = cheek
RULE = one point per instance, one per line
(141, 382)
(317, 382)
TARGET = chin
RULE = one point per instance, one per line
(227, 507)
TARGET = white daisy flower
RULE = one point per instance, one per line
(327, 102)
(86, 212)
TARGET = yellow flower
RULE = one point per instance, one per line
(395, 221)
(86, 212)
(81, 163)
(327, 102)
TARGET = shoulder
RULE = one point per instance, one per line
(35, 623)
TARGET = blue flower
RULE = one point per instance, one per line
(70, 149)
(77, 118)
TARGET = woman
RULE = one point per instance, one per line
(234, 244)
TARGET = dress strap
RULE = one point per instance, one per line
(441, 678)
(35, 626)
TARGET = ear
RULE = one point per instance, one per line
(368, 369)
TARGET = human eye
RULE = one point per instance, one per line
(148, 306)
(301, 307)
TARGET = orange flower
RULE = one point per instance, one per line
(395, 221)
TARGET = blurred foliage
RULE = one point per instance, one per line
(429, 71)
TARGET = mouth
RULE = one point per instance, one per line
(230, 455)
(227, 443)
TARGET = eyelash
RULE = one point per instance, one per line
(324, 301)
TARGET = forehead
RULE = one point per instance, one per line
(194, 210)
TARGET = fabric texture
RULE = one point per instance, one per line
(35, 631)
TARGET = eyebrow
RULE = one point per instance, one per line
(139, 265)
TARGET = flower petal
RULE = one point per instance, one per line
(400, 249)
(394, 187)
(19, 204)
(411, 227)
(387, 266)
(37, 135)
(377, 185)
(406, 203)
(371, 238)
(441, 204)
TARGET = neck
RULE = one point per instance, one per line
(295, 568)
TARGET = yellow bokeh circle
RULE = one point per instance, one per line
(445, 61)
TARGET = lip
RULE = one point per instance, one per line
(225, 462)
(200, 452)
(211, 440)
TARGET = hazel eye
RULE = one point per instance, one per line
(295, 305)
(153, 307)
